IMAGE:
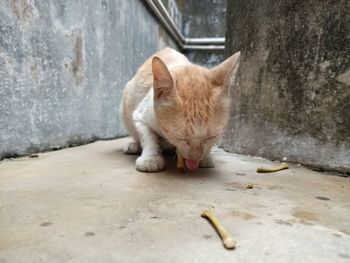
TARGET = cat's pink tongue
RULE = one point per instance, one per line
(191, 164)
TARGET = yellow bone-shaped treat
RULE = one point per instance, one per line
(273, 169)
(180, 161)
(228, 241)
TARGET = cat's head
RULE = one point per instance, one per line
(192, 104)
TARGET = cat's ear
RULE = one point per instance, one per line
(227, 70)
(163, 83)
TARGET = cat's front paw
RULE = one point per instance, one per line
(150, 164)
(207, 162)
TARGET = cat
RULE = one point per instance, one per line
(187, 105)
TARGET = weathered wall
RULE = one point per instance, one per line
(293, 94)
(205, 18)
(205, 58)
(63, 65)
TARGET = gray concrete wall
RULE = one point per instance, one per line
(63, 65)
(205, 18)
(293, 93)
(205, 58)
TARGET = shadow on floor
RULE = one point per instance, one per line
(170, 166)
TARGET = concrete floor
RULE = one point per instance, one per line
(88, 204)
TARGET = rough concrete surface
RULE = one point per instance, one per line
(206, 58)
(89, 204)
(63, 65)
(293, 94)
(206, 18)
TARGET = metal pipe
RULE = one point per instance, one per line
(163, 21)
(205, 41)
(204, 47)
(169, 19)
(185, 43)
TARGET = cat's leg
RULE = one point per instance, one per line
(133, 148)
(151, 159)
(207, 162)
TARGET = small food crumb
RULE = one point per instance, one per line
(249, 186)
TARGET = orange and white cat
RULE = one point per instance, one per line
(187, 105)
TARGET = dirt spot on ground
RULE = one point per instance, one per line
(240, 186)
(323, 198)
(285, 222)
(234, 185)
(346, 232)
(305, 217)
(274, 187)
(243, 215)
